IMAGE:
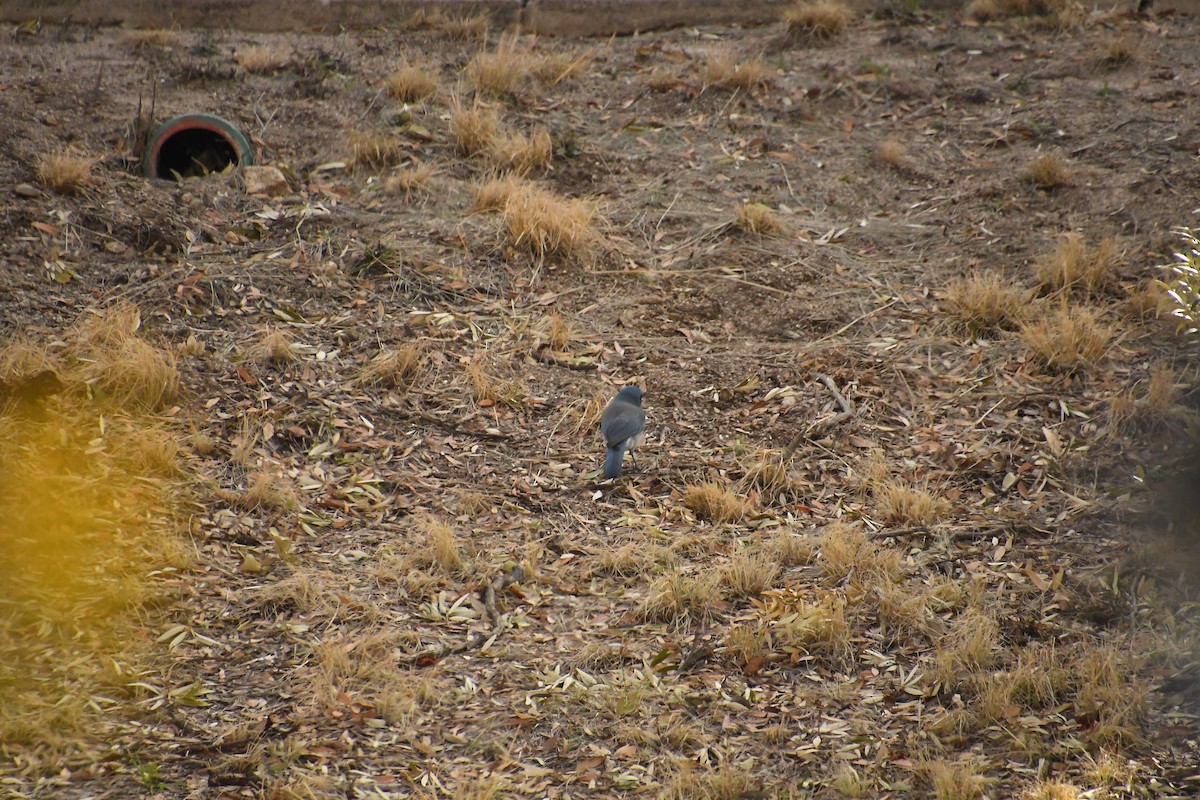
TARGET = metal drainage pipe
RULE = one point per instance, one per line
(194, 145)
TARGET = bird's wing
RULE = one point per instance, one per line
(622, 424)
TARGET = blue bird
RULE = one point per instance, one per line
(622, 424)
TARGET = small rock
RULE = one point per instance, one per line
(264, 180)
(26, 190)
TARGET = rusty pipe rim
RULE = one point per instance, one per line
(178, 142)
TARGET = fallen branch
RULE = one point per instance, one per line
(545, 355)
(820, 426)
(499, 621)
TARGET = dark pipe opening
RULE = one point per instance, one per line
(194, 153)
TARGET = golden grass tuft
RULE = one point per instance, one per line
(268, 489)
(951, 780)
(468, 26)
(89, 499)
(474, 127)
(819, 19)
(847, 553)
(1118, 49)
(1052, 790)
(971, 645)
(518, 153)
(986, 301)
(410, 83)
(892, 152)
(1048, 171)
(770, 475)
(493, 194)
(395, 369)
(264, 58)
(64, 171)
(820, 627)
(374, 150)
(759, 218)
(546, 223)
(728, 782)
(275, 346)
(485, 387)
(1073, 266)
(559, 331)
(152, 37)
(750, 573)
(119, 365)
(501, 71)
(1072, 338)
(722, 68)
(907, 504)
(442, 549)
(408, 181)
(554, 68)
(715, 502)
(676, 597)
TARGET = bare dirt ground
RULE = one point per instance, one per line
(406, 579)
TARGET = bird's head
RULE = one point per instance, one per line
(632, 394)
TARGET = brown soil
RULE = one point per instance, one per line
(1045, 530)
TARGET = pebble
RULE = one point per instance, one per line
(26, 190)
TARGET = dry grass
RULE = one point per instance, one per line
(374, 150)
(728, 782)
(847, 553)
(821, 19)
(493, 193)
(1110, 694)
(275, 346)
(64, 171)
(893, 153)
(554, 68)
(811, 628)
(409, 180)
(1075, 267)
(759, 218)
(1048, 171)
(724, 69)
(396, 369)
(518, 153)
(1070, 339)
(559, 332)
(750, 573)
(152, 37)
(972, 644)
(502, 71)
(119, 365)
(769, 474)
(466, 27)
(88, 502)
(951, 780)
(715, 502)
(485, 387)
(270, 490)
(1052, 790)
(264, 58)
(547, 224)
(478, 131)
(1119, 49)
(410, 83)
(901, 503)
(677, 597)
(987, 301)
(441, 546)
(474, 128)
(1047, 14)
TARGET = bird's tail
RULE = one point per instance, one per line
(612, 461)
